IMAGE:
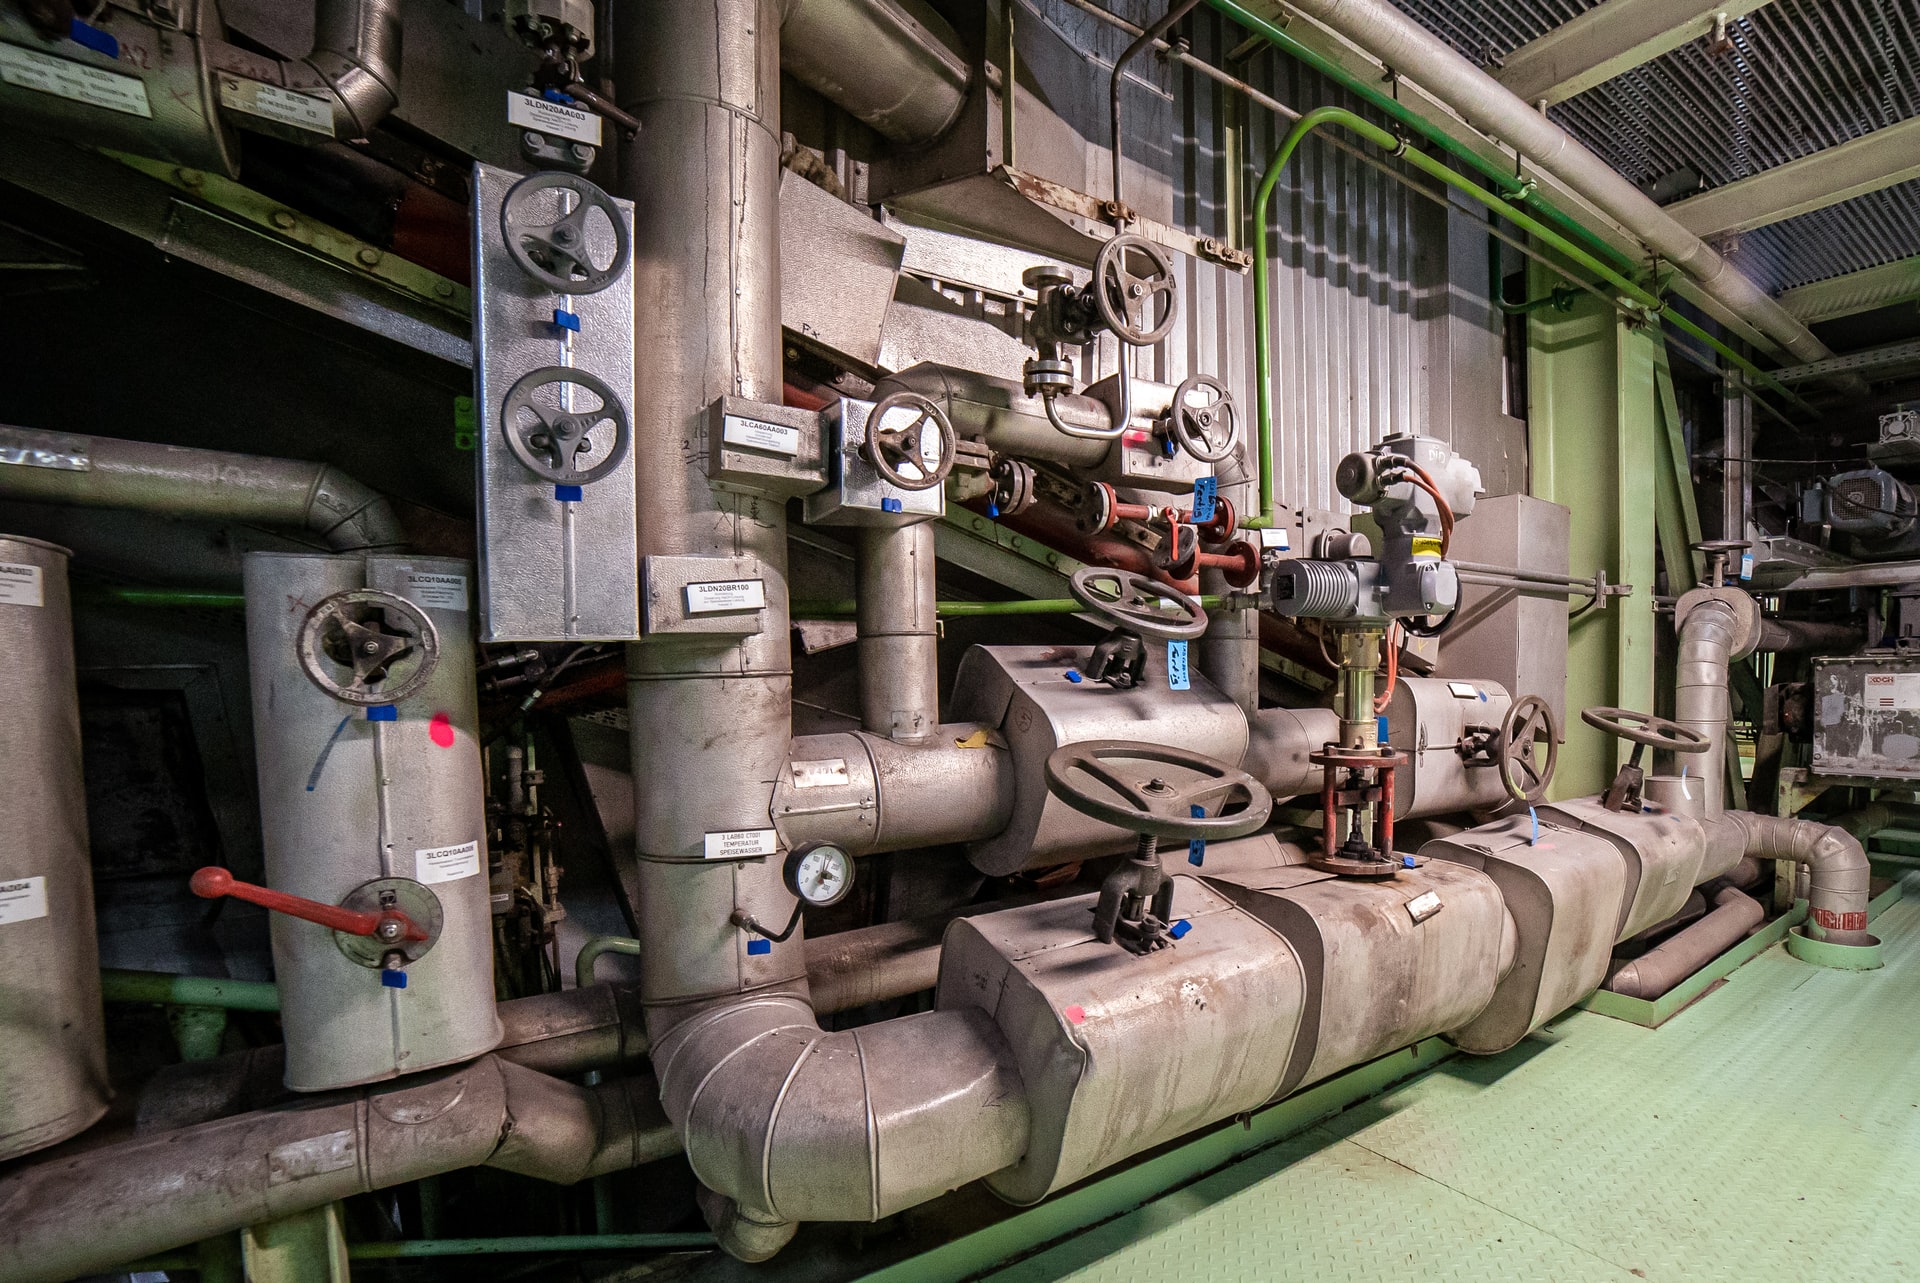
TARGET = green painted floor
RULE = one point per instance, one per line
(1771, 1131)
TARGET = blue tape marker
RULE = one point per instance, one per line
(93, 38)
(1531, 815)
(1408, 862)
(1483, 697)
(758, 946)
(320, 764)
(554, 95)
(1204, 492)
(393, 979)
(1177, 675)
(993, 509)
(566, 494)
(1380, 728)
(384, 713)
(1196, 847)
(566, 320)
(890, 505)
(1074, 677)
(1179, 929)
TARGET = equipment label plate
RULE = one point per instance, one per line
(271, 102)
(1899, 691)
(30, 69)
(756, 435)
(1424, 906)
(825, 773)
(437, 592)
(730, 594)
(22, 899)
(741, 844)
(446, 863)
(1463, 690)
(21, 585)
(529, 112)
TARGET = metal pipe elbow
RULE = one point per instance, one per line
(351, 515)
(356, 57)
(792, 1124)
(1837, 870)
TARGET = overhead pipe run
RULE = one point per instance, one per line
(896, 65)
(202, 485)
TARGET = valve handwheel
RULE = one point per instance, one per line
(1138, 604)
(1528, 731)
(558, 442)
(560, 252)
(1135, 289)
(1208, 430)
(1153, 790)
(387, 645)
(1645, 728)
(896, 444)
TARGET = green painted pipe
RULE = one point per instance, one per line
(591, 951)
(530, 1244)
(167, 597)
(188, 991)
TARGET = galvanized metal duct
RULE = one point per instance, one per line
(175, 481)
(899, 633)
(1412, 51)
(1837, 870)
(79, 1216)
(355, 63)
(780, 1120)
(895, 64)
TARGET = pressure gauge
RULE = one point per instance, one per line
(820, 873)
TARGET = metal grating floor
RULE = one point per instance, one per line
(1772, 1131)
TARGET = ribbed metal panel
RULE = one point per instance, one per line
(1802, 76)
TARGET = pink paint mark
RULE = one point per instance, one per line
(1074, 1015)
(440, 730)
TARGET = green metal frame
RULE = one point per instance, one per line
(1654, 1012)
(1106, 1197)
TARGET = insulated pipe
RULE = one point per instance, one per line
(1278, 741)
(175, 481)
(1399, 42)
(1837, 870)
(1658, 970)
(84, 1215)
(1870, 819)
(899, 633)
(354, 66)
(897, 65)
(999, 412)
(1784, 635)
(1701, 699)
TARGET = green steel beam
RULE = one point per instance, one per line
(1113, 1195)
(305, 1247)
(1679, 509)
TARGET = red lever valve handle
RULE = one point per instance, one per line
(394, 926)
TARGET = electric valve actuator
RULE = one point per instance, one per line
(1416, 488)
(365, 722)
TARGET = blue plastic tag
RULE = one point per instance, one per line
(566, 494)
(758, 946)
(392, 978)
(1746, 565)
(566, 320)
(1204, 491)
(1179, 929)
(1196, 847)
(889, 505)
(1380, 728)
(93, 38)
(1177, 678)
(384, 713)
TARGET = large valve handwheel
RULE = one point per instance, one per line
(1138, 604)
(1528, 749)
(560, 443)
(1645, 728)
(556, 241)
(1160, 792)
(897, 438)
(1206, 430)
(365, 647)
(1135, 289)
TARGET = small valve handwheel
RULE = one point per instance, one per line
(1135, 289)
(1206, 430)
(1645, 728)
(569, 447)
(392, 898)
(366, 647)
(564, 253)
(1527, 749)
(896, 444)
(1138, 604)
(1155, 790)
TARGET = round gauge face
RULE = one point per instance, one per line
(821, 875)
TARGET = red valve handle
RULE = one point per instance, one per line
(213, 882)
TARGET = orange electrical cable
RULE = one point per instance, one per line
(1418, 476)
(1385, 697)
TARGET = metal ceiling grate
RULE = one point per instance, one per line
(1803, 75)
